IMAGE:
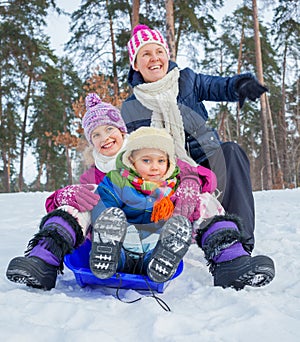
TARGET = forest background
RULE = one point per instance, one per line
(42, 94)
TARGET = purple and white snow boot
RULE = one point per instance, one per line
(59, 234)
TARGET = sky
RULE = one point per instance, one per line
(199, 311)
(58, 26)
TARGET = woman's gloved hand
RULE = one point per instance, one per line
(249, 88)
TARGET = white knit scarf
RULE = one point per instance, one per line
(161, 98)
(104, 163)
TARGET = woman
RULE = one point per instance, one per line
(164, 96)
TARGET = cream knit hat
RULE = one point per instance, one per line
(150, 137)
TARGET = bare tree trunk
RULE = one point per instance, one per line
(8, 174)
(279, 174)
(135, 13)
(114, 53)
(5, 157)
(222, 126)
(240, 57)
(6, 171)
(180, 24)
(69, 166)
(23, 133)
(1, 108)
(49, 170)
(38, 179)
(252, 159)
(68, 159)
(170, 28)
(223, 113)
(263, 102)
(298, 104)
(282, 123)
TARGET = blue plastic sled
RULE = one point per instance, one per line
(78, 262)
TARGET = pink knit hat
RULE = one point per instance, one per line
(99, 114)
(143, 35)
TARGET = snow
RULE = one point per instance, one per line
(200, 311)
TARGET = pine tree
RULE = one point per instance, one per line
(53, 116)
(21, 41)
(286, 30)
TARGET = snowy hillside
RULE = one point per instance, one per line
(200, 312)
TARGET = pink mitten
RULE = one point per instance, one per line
(194, 180)
(186, 197)
(80, 196)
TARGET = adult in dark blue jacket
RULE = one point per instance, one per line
(165, 97)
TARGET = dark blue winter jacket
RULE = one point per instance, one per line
(201, 140)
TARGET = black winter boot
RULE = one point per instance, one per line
(33, 272)
(246, 270)
(59, 234)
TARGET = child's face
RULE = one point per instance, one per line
(152, 62)
(150, 163)
(107, 140)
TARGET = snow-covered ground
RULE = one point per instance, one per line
(200, 312)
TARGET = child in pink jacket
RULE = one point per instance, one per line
(66, 224)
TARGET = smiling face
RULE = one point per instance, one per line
(152, 62)
(150, 163)
(107, 140)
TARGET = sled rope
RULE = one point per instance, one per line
(159, 301)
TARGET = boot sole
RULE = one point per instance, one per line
(25, 273)
(258, 272)
(174, 242)
(108, 234)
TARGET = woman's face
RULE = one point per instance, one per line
(107, 140)
(152, 62)
(150, 163)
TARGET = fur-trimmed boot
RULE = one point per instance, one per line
(230, 264)
(59, 233)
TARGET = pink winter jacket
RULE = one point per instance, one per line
(90, 176)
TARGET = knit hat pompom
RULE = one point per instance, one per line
(150, 137)
(99, 113)
(140, 27)
(92, 100)
(141, 36)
